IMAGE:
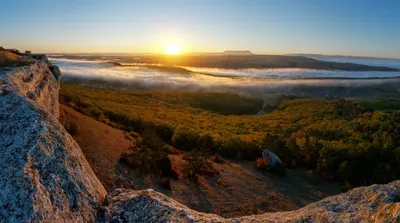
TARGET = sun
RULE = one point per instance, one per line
(172, 49)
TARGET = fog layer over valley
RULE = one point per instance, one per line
(109, 72)
(372, 61)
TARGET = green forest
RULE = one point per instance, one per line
(354, 142)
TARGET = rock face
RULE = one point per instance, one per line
(36, 82)
(376, 203)
(44, 176)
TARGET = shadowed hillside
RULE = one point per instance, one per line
(235, 61)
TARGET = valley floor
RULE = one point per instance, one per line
(240, 189)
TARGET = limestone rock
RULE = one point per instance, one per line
(36, 82)
(148, 206)
(376, 203)
(44, 176)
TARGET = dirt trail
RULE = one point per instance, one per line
(270, 101)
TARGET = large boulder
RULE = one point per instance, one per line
(44, 176)
(273, 162)
(271, 159)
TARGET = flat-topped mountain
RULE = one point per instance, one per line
(234, 60)
(238, 52)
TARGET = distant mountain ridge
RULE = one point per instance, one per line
(238, 52)
(370, 61)
(225, 53)
(240, 60)
(339, 56)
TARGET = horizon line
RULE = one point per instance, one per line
(220, 52)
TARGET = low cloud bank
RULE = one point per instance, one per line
(286, 81)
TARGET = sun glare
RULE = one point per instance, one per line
(172, 49)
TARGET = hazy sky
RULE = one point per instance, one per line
(346, 27)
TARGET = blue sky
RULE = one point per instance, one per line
(345, 27)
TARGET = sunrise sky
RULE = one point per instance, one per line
(345, 27)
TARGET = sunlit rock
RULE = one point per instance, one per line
(44, 176)
(376, 203)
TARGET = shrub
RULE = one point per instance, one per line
(276, 144)
(95, 112)
(185, 139)
(175, 174)
(162, 163)
(166, 184)
(217, 159)
(28, 51)
(15, 51)
(347, 186)
(171, 150)
(195, 164)
(165, 132)
(222, 182)
(1, 48)
(132, 160)
(148, 161)
(310, 173)
(261, 164)
(71, 128)
(239, 148)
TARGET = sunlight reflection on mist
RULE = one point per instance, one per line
(221, 80)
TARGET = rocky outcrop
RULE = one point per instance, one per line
(376, 203)
(148, 206)
(44, 176)
(36, 82)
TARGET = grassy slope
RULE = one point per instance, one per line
(8, 59)
(240, 189)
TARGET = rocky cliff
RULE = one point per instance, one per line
(44, 176)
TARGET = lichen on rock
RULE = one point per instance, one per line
(44, 176)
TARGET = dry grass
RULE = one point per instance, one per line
(8, 59)
(5, 55)
(101, 144)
